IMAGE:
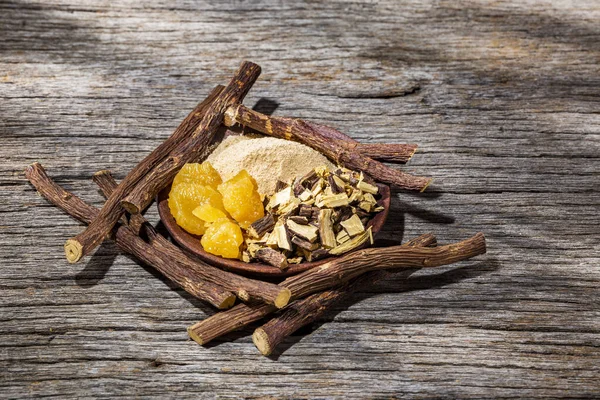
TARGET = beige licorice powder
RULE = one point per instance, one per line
(267, 159)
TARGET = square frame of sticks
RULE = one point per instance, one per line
(239, 301)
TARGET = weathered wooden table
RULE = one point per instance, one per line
(503, 99)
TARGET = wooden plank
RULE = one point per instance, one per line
(501, 97)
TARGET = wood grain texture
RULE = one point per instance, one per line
(502, 98)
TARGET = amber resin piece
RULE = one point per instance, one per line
(241, 199)
(223, 238)
(185, 198)
(201, 174)
(209, 213)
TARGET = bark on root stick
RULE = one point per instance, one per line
(313, 136)
(399, 153)
(222, 323)
(191, 149)
(392, 153)
(100, 227)
(333, 273)
(246, 289)
(305, 311)
(386, 152)
(130, 242)
(351, 265)
(229, 320)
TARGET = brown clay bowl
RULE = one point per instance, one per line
(192, 242)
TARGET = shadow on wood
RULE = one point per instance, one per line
(265, 106)
(395, 224)
(206, 309)
(398, 282)
(235, 335)
(423, 213)
(97, 266)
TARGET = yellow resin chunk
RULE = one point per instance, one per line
(209, 213)
(223, 238)
(184, 198)
(201, 174)
(241, 199)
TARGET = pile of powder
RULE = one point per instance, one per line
(267, 159)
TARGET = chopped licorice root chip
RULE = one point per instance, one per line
(299, 189)
(353, 225)
(366, 206)
(309, 179)
(353, 243)
(355, 196)
(290, 207)
(304, 244)
(282, 238)
(342, 237)
(317, 254)
(305, 195)
(258, 228)
(272, 257)
(281, 198)
(299, 219)
(311, 217)
(246, 257)
(334, 200)
(307, 232)
(317, 187)
(326, 228)
(336, 183)
(367, 187)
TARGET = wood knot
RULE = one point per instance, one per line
(156, 363)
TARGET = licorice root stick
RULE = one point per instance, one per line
(246, 289)
(320, 138)
(190, 150)
(305, 311)
(354, 264)
(229, 320)
(130, 242)
(101, 226)
(387, 152)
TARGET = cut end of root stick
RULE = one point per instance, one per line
(426, 185)
(230, 116)
(194, 336)
(73, 250)
(130, 207)
(412, 153)
(283, 298)
(102, 172)
(261, 341)
(228, 302)
(243, 295)
(481, 242)
(31, 168)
